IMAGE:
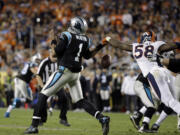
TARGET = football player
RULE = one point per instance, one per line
(71, 46)
(142, 89)
(22, 91)
(105, 90)
(146, 53)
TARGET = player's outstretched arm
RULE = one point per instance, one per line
(127, 46)
(91, 53)
(169, 46)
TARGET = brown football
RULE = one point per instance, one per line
(106, 61)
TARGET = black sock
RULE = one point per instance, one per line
(38, 110)
(35, 122)
(99, 115)
(87, 106)
(149, 112)
(107, 103)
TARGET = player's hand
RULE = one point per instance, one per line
(106, 40)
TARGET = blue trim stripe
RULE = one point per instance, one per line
(56, 77)
(154, 84)
(15, 102)
(61, 68)
(148, 93)
(68, 35)
(89, 43)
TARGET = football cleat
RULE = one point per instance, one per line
(135, 119)
(65, 123)
(154, 128)
(135, 122)
(105, 124)
(7, 115)
(31, 130)
(145, 128)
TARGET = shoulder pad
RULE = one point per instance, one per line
(90, 43)
(160, 42)
(68, 35)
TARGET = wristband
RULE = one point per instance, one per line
(99, 47)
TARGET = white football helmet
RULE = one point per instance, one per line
(78, 25)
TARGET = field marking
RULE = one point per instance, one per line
(45, 128)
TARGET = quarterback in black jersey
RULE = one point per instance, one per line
(22, 92)
(70, 47)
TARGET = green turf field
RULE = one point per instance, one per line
(81, 124)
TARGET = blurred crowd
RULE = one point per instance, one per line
(25, 26)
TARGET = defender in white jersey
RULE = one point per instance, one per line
(146, 54)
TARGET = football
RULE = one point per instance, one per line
(106, 61)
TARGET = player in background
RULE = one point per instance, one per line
(45, 69)
(22, 91)
(146, 53)
(71, 46)
(105, 90)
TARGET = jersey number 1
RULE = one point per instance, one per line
(78, 54)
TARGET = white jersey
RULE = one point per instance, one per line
(146, 55)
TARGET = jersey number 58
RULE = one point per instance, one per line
(139, 52)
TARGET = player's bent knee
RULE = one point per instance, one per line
(76, 98)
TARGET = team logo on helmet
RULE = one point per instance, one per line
(78, 25)
(147, 36)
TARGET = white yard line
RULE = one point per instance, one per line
(41, 128)
(45, 128)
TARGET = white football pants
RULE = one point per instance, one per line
(22, 90)
(161, 82)
(59, 79)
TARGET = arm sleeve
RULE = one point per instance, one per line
(174, 65)
(89, 54)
